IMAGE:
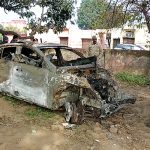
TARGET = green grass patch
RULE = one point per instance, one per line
(39, 112)
(12, 100)
(31, 111)
(133, 79)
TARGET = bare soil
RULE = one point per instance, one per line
(126, 130)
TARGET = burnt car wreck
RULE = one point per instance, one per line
(55, 76)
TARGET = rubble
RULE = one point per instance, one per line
(57, 127)
(113, 129)
(68, 125)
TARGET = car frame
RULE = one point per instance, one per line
(32, 73)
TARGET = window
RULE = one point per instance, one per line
(129, 34)
(29, 53)
(30, 57)
(7, 53)
(68, 55)
(50, 53)
(127, 47)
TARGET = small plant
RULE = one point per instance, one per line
(133, 79)
(32, 111)
(36, 111)
(12, 100)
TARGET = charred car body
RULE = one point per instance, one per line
(55, 76)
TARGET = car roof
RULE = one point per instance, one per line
(127, 44)
(42, 46)
(51, 45)
(56, 45)
(11, 44)
(38, 45)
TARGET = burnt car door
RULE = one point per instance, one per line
(25, 77)
(5, 57)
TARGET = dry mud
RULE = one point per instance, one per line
(126, 130)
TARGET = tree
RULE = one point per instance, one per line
(138, 11)
(89, 12)
(92, 14)
(22, 7)
(54, 13)
(113, 13)
(15, 29)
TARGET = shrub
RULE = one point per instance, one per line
(133, 79)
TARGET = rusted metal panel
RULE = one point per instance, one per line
(28, 83)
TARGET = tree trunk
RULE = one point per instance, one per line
(147, 18)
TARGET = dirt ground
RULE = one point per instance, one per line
(125, 130)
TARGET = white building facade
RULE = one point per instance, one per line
(130, 35)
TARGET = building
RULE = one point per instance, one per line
(20, 24)
(74, 37)
(130, 35)
(17, 26)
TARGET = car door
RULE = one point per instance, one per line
(26, 80)
(5, 65)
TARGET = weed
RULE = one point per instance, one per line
(12, 100)
(36, 111)
(133, 79)
(31, 111)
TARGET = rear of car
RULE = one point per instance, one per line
(128, 47)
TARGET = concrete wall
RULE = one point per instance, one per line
(49, 37)
(137, 62)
